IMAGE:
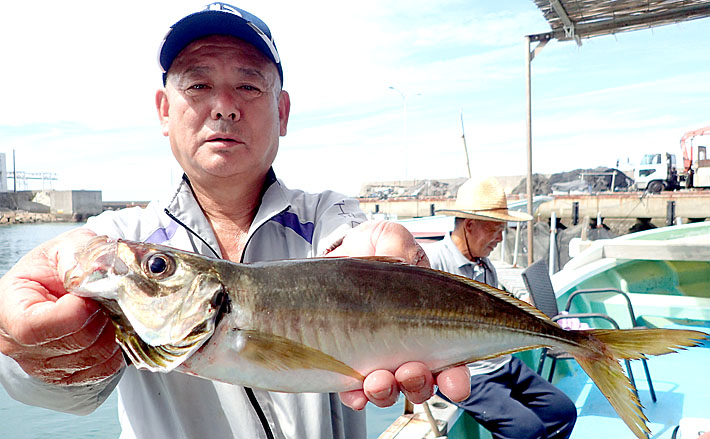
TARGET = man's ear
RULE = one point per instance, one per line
(163, 106)
(284, 111)
(468, 224)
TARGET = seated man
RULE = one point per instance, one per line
(507, 397)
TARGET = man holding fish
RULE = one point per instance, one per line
(222, 281)
(507, 397)
(223, 109)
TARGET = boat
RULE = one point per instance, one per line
(666, 274)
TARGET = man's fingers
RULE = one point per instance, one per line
(97, 372)
(101, 350)
(96, 361)
(455, 383)
(89, 374)
(416, 381)
(46, 322)
(380, 238)
(355, 399)
(381, 388)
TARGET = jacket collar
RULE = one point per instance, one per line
(184, 209)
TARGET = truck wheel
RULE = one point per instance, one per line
(655, 187)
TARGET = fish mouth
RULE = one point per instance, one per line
(96, 260)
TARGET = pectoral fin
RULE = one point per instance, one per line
(279, 353)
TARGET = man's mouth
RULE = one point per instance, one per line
(224, 142)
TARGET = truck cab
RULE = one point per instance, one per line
(656, 172)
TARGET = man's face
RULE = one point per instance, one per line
(483, 236)
(223, 109)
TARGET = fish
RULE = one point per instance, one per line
(323, 324)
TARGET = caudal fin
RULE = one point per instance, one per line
(606, 372)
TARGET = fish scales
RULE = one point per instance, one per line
(320, 325)
(354, 290)
(347, 297)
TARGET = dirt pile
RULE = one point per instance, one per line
(580, 180)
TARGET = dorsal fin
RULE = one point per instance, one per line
(500, 294)
(387, 259)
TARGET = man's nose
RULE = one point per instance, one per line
(226, 107)
(233, 115)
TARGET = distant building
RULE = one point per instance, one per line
(3, 172)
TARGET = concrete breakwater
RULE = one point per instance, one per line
(8, 217)
(48, 206)
(19, 208)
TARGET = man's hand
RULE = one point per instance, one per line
(54, 336)
(414, 379)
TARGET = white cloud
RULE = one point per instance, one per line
(79, 80)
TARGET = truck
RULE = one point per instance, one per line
(659, 171)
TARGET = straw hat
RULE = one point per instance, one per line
(483, 200)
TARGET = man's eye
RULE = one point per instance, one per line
(250, 88)
(197, 87)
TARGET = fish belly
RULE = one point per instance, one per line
(221, 360)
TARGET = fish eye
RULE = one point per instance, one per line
(158, 265)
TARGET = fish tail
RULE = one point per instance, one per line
(601, 363)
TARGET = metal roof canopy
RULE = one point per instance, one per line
(577, 19)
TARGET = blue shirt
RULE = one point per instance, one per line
(445, 256)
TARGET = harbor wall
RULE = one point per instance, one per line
(47, 206)
(665, 206)
(24, 217)
(79, 204)
(410, 207)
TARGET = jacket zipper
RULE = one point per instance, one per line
(248, 390)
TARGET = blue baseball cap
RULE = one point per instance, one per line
(218, 19)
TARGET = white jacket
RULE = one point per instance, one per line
(289, 224)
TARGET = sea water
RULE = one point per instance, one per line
(20, 421)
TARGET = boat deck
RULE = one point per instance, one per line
(681, 382)
(509, 278)
(682, 385)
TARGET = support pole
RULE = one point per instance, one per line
(553, 243)
(528, 129)
(503, 242)
(542, 40)
(432, 421)
(516, 248)
(14, 173)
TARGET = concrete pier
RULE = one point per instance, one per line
(687, 204)
(35, 206)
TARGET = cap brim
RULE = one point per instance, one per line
(511, 215)
(204, 23)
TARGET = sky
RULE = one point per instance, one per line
(80, 80)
